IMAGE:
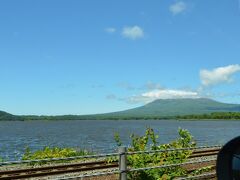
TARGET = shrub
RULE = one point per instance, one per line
(149, 142)
(202, 170)
(54, 152)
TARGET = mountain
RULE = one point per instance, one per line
(158, 109)
(175, 107)
(4, 116)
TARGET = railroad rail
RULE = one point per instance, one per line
(56, 170)
(85, 167)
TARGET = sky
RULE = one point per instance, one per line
(90, 56)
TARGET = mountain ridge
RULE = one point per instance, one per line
(184, 106)
(160, 109)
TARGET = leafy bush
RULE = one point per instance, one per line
(149, 142)
(55, 152)
(202, 170)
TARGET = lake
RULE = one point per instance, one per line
(98, 135)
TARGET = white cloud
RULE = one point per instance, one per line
(110, 30)
(134, 32)
(178, 7)
(162, 94)
(218, 75)
(170, 94)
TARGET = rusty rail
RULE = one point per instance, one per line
(55, 170)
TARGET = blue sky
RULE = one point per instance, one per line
(83, 57)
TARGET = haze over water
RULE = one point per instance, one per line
(98, 135)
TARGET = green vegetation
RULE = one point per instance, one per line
(6, 117)
(202, 170)
(149, 142)
(217, 115)
(53, 152)
(159, 109)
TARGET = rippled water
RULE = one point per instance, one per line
(98, 135)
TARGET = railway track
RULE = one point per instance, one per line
(85, 167)
(203, 152)
(56, 170)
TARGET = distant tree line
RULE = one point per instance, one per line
(93, 117)
(216, 115)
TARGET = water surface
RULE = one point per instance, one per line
(98, 135)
